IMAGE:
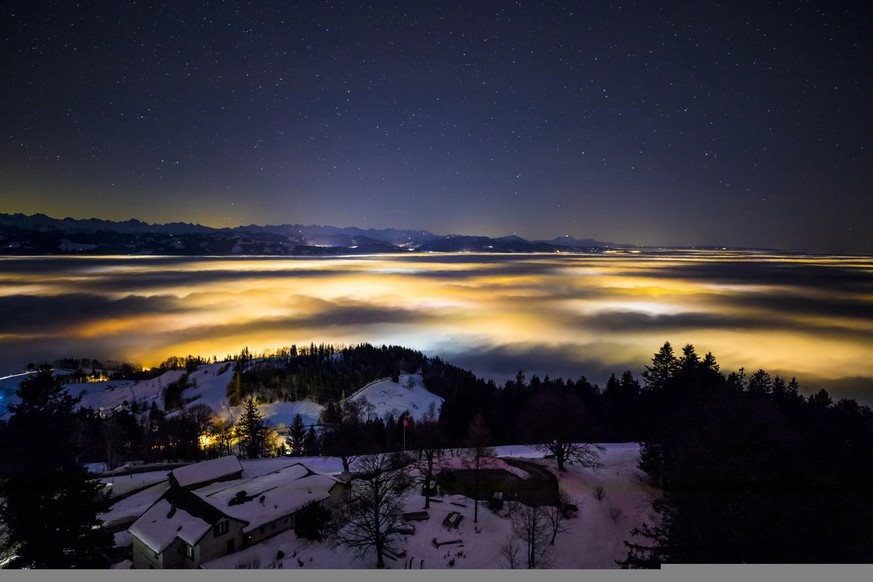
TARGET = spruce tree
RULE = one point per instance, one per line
(51, 506)
(297, 436)
(252, 431)
(310, 442)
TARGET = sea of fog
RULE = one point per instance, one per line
(561, 315)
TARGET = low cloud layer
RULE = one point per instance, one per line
(567, 315)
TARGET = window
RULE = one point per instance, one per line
(221, 528)
(189, 552)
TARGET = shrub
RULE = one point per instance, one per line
(311, 521)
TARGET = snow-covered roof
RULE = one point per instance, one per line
(164, 522)
(269, 496)
(189, 514)
(207, 471)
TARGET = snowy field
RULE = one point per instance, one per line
(593, 540)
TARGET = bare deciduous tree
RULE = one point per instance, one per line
(429, 441)
(556, 517)
(509, 551)
(374, 507)
(559, 423)
(478, 438)
(531, 527)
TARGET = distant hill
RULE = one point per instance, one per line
(569, 241)
(209, 384)
(39, 234)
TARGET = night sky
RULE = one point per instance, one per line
(745, 124)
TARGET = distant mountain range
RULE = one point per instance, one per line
(42, 235)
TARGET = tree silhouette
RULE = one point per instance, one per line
(665, 365)
(374, 508)
(50, 505)
(297, 436)
(478, 437)
(531, 526)
(345, 435)
(252, 431)
(558, 422)
(427, 437)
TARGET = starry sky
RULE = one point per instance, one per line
(680, 123)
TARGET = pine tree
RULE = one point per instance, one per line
(664, 368)
(297, 436)
(310, 442)
(51, 506)
(252, 431)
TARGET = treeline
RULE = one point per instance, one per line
(321, 373)
(751, 470)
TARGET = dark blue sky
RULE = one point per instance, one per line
(654, 123)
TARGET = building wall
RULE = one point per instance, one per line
(270, 529)
(143, 556)
(213, 546)
(175, 555)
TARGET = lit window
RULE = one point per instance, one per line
(189, 552)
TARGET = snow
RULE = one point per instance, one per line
(389, 397)
(204, 471)
(275, 494)
(210, 388)
(159, 526)
(9, 386)
(326, 465)
(593, 540)
(122, 484)
(130, 508)
(283, 412)
(112, 394)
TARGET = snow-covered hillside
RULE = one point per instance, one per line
(209, 386)
(388, 397)
(9, 385)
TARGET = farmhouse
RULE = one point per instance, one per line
(188, 527)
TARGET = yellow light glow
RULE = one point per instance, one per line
(616, 309)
